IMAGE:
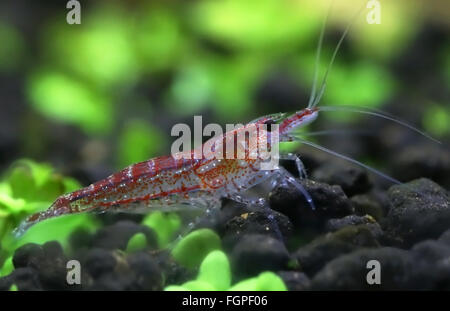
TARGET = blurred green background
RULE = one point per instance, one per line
(92, 98)
(106, 93)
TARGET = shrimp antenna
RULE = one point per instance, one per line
(316, 64)
(344, 157)
(377, 113)
(330, 65)
(336, 132)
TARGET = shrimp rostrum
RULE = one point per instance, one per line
(184, 180)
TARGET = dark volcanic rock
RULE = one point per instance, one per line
(273, 224)
(295, 280)
(366, 205)
(319, 252)
(80, 238)
(113, 282)
(52, 270)
(421, 210)
(445, 237)
(431, 250)
(25, 279)
(256, 253)
(352, 179)
(432, 264)
(48, 261)
(350, 220)
(423, 160)
(146, 271)
(349, 272)
(425, 267)
(99, 262)
(116, 236)
(330, 202)
(28, 255)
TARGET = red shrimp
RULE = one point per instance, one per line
(181, 181)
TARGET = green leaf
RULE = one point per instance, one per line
(7, 267)
(11, 205)
(136, 243)
(269, 281)
(41, 172)
(191, 250)
(436, 120)
(266, 281)
(158, 38)
(198, 286)
(13, 288)
(215, 270)
(58, 229)
(245, 285)
(63, 98)
(164, 224)
(101, 50)
(175, 288)
(256, 24)
(71, 184)
(35, 181)
(138, 142)
(22, 183)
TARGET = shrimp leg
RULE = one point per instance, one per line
(263, 205)
(209, 206)
(285, 177)
(300, 166)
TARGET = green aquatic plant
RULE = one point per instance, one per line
(7, 267)
(227, 84)
(101, 51)
(192, 249)
(159, 39)
(29, 187)
(164, 224)
(138, 142)
(215, 274)
(66, 99)
(136, 243)
(436, 120)
(360, 83)
(249, 25)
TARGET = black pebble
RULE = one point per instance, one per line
(349, 272)
(26, 279)
(147, 272)
(80, 238)
(313, 256)
(352, 179)
(329, 201)
(255, 253)
(295, 281)
(271, 223)
(28, 255)
(116, 236)
(99, 262)
(350, 220)
(420, 210)
(366, 205)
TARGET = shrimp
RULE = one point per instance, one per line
(180, 181)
